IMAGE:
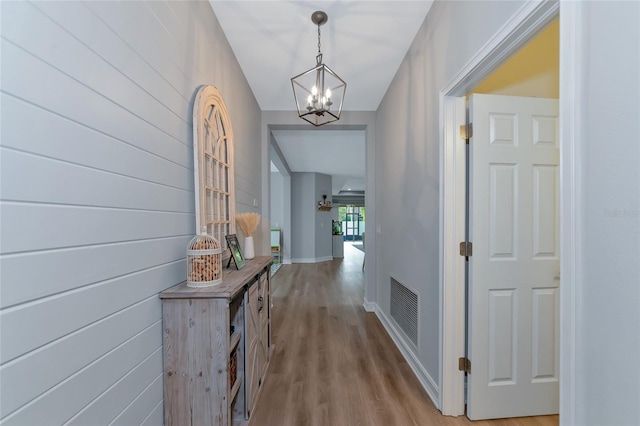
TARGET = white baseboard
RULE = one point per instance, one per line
(425, 379)
(303, 260)
(312, 259)
(369, 306)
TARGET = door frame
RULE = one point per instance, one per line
(524, 25)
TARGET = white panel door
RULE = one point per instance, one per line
(513, 322)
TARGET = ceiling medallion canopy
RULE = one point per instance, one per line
(319, 92)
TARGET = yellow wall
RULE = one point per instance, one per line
(533, 71)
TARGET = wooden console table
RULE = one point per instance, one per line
(217, 347)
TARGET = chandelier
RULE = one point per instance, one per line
(319, 92)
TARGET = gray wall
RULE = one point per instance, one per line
(407, 154)
(310, 228)
(601, 318)
(303, 217)
(605, 186)
(97, 195)
(281, 212)
(324, 242)
(277, 200)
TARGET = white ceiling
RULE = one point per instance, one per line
(364, 42)
(339, 153)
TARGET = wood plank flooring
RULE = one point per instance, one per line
(335, 365)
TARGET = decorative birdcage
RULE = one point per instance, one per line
(204, 261)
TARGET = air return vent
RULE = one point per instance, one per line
(404, 309)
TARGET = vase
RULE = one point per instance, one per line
(249, 251)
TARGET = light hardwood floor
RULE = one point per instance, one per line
(334, 364)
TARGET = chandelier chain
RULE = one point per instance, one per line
(319, 39)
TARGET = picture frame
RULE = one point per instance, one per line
(236, 251)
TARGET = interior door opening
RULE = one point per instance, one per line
(531, 23)
(513, 273)
(353, 222)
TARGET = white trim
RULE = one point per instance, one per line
(370, 278)
(312, 259)
(430, 386)
(531, 18)
(452, 266)
(571, 258)
(369, 306)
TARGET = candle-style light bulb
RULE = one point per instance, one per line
(327, 103)
(314, 90)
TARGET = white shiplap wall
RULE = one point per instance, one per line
(97, 197)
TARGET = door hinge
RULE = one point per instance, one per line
(466, 131)
(464, 365)
(466, 249)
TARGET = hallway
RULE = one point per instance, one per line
(334, 363)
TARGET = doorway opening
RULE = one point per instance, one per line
(352, 219)
(531, 20)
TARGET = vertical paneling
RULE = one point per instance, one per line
(503, 213)
(545, 211)
(520, 321)
(502, 336)
(253, 346)
(199, 347)
(97, 201)
(195, 361)
(543, 346)
(209, 370)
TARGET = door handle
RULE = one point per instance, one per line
(260, 303)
